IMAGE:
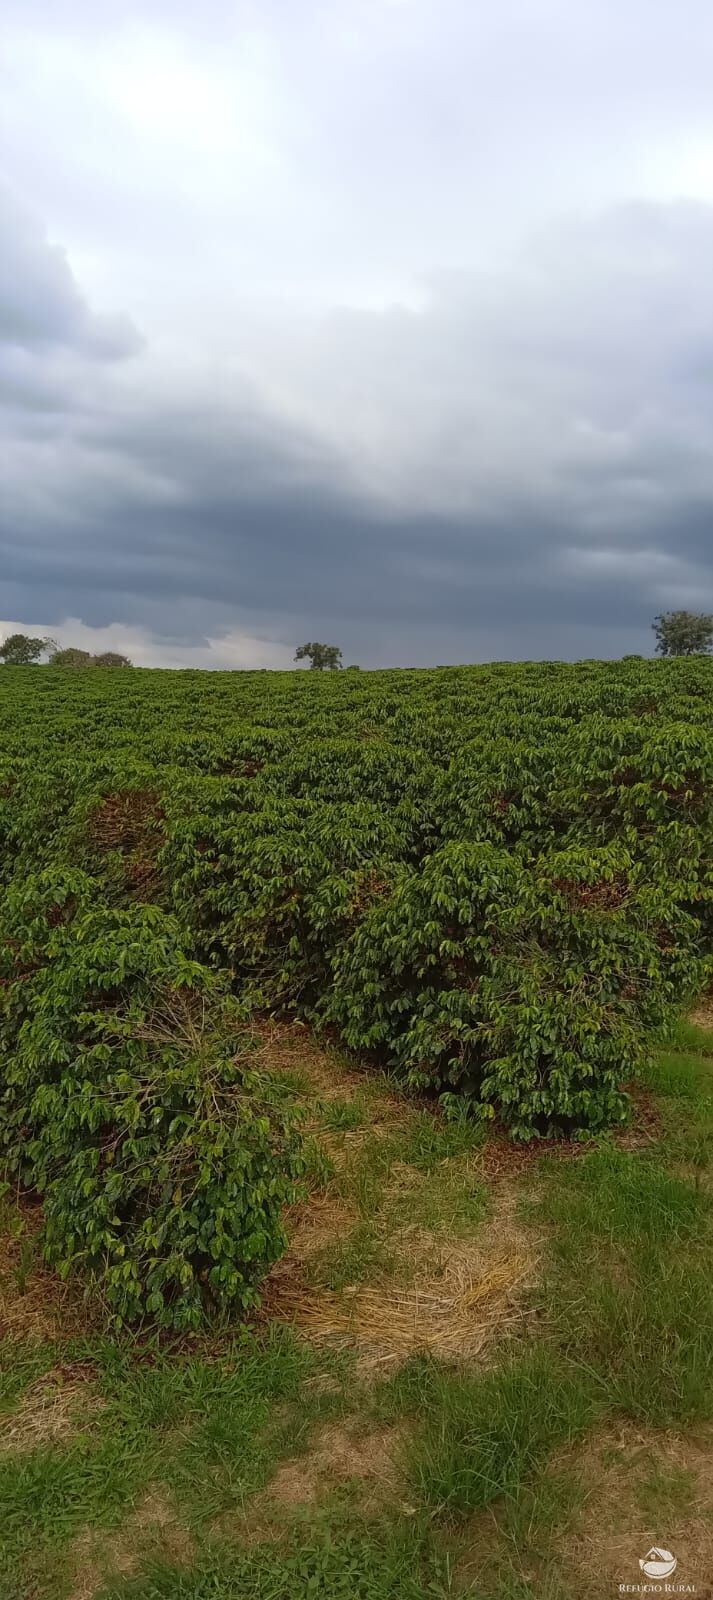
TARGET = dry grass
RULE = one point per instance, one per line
(453, 1319)
(34, 1304)
(343, 1453)
(614, 1496)
(450, 1298)
(315, 1224)
(631, 1502)
(292, 1047)
(646, 1125)
(153, 1529)
(354, 1457)
(460, 1297)
(58, 1406)
(702, 1016)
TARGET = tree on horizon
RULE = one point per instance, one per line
(683, 633)
(22, 650)
(321, 657)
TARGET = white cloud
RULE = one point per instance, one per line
(232, 650)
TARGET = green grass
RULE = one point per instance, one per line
(418, 1175)
(515, 1548)
(365, 1105)
(447, 1202)
(362, 1255)
(629, 1296)
(681, 1075)
(209, 1430)
(688, 1036)
(647, 1340)
(480, 1434)
(429, 1147)
(344, 1116)
(337, 1563)
(21, 1363)
(426, 1140)
(666, 1493)
(623, 1197)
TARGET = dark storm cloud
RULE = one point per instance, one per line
(522, 466)
(256, 532)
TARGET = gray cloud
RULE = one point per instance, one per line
(429, 326)
(41, 306)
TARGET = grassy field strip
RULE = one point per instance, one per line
(492, 1375)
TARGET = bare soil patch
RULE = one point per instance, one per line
(352, 1455)
(342, 1452)
(503, 1158)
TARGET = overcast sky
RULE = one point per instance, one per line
(382, 322)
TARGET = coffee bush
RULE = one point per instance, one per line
(134, 1105)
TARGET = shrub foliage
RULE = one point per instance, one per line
(133, 1104)
(494, 880)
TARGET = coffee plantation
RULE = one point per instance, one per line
(496, 882)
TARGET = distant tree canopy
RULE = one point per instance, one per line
(321, 657)
(111, 658)
(20, 649)
(683, 633)
(72, 657)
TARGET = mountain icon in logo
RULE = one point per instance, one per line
(658, 1563)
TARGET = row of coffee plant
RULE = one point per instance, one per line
(495, 881)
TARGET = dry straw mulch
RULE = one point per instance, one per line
(460, 1295)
